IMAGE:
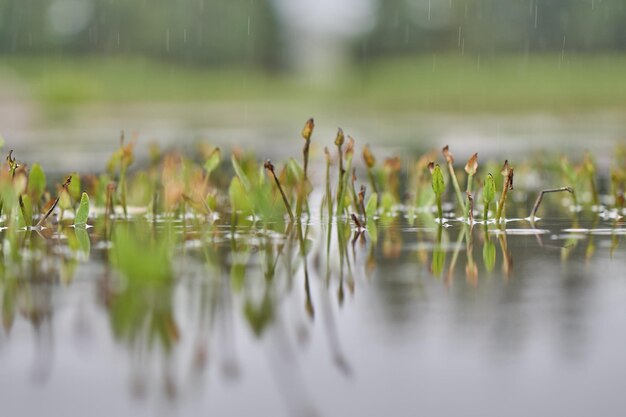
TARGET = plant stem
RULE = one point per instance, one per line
(457, 189)
(508, 184)
(540, 198)
(270, 167)
(49, 212)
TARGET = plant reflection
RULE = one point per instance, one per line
(272, 277)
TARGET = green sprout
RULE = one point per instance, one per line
(507, 173)
(489, 193)
(455, 183)
(438, 186)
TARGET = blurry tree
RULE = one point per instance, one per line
(252, 32)
(492, 26)
(194, 31)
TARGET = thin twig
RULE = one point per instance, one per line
(540, 198)
(49, 212)
(270, 167)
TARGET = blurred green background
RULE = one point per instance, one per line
(428, 55)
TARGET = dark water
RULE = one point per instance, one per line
(404, 320)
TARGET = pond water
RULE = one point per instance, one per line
(406, 318)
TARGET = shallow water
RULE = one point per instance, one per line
(526, 321)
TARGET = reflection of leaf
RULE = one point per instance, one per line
(439, 259)
(489, 255)
(259, 317)
(83, 240)
(82, 214)
(372, 232)
(237, 276)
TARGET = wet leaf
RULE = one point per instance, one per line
(36, 182)
(27, 210)
(213, 161)
(372, 203)
(437, 180)
(82, 214)
(243, 178)
(239, 197)
(74, 187)
(489, 190)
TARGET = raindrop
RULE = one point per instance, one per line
(248, 25)
(536, 10)
(167, 39)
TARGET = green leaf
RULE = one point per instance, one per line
(213, 161)
(36, 182)
(489, 190)
(82, 214)
(74, 187)
(240, 173)
(27, 210)
(372, 203)
(387, 201)
(438, 183)
(239, 198)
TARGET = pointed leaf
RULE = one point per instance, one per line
(240, 173)
(36, 182)
(372, 203)
(82, 214)
(489, 190)
(437, 179)
(213, 161)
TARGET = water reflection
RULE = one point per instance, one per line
(191, 303)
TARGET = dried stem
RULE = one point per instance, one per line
(540, 199)
(65, 185)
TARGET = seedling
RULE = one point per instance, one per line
(470, 168)
(370, 161)
(489, 193)
(362, 203)
(455, 183)
(82, 214)
(507, 173)
(438, 186)
(470, 210)
(270, 167)
(307, 131)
